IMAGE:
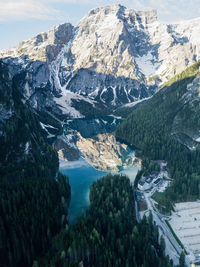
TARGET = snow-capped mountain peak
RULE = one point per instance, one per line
(112, 57)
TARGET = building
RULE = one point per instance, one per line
(149, 179)
(157, 181)
(154, 174)
(143, 184)
(146, 183)
(149, 182)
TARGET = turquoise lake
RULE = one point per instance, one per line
(81, 176)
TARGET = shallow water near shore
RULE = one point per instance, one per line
(81, 175)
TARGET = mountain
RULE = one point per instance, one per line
(174, 109)
(113, 59)
(113, 56)
(33, 204)
(167, 127)
(23, 142)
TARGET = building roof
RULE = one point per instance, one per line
(154, 173)
(149, 179)
(141, 182)
(157, 181)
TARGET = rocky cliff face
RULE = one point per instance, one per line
(103, 152)
(6, 99)
(91, 127)
(78, 132)
(112, 57)
(25, 151)
(66, 148)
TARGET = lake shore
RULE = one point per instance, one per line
(81, 175)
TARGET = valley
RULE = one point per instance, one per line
(97, 154)
(99, 126)
(94, 140)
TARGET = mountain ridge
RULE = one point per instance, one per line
(166, 127)
(113, 56)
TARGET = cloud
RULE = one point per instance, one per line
(168, 10)
(11, 10)
(89, 2)
(25, 9)
(171, 10)
(82, 2)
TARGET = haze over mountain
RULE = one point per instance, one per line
(114, 56)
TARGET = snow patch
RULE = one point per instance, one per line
(68, 139)
(129, 105)
(27, 148)
(44, 126)
(65, 102)
(50, 135)
(115, 96)
(104, 90)
(147, 64)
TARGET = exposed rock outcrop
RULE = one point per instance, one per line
(103, 152)
(112, 57)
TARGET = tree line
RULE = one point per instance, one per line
(149, 127)
(108, 234)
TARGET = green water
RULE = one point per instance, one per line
(81, 176)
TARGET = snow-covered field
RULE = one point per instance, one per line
(185, 222)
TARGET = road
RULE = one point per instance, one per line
(136, 212)
(173, 249)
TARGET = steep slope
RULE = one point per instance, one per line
(103, 152)
(33, 197)
(167, 126)
(22, 139)
(112, 57)
(176, 106)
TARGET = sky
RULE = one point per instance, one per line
(22, 19)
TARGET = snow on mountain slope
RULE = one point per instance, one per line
(42, 46)
(114, 56)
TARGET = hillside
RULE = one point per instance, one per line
(22, 139)
(108, 234)
(31, 210)
(167, 127)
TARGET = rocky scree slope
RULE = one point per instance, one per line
(114, 56)
(103, 152)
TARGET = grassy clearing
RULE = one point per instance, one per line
(142, 205)
(158, 196)
(164, 205)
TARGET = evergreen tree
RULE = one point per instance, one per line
(182, 259)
